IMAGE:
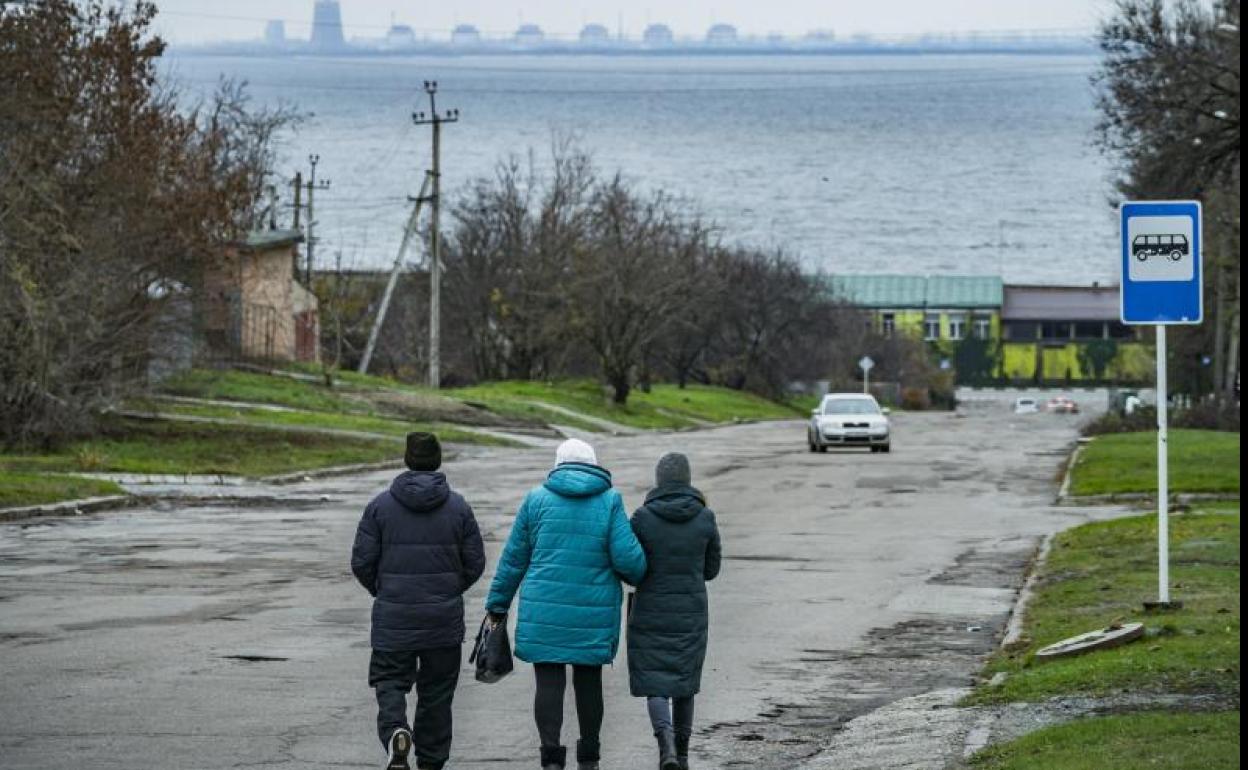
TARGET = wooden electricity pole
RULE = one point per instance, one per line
(435, 119)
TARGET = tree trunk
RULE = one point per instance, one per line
(620, 387)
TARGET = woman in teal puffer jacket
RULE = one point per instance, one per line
(570, 546)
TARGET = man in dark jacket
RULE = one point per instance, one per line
(667, 628)
(417, 550)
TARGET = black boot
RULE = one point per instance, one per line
(682, 750)
(667, 750)
(587, 755)
(554, 757)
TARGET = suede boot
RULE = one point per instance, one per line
(667, 750)
(554, 757)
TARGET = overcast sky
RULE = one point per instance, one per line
(191, 21)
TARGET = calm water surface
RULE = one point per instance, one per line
(951, 164)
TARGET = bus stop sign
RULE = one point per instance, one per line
(1161, 270)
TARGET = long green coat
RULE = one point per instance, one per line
(667, 630)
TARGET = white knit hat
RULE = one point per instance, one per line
(575, 451)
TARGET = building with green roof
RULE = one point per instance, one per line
(1027, 333)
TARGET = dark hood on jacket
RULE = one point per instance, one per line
(420, 491)
(675, 502)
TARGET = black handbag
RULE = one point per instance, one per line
(492, 652)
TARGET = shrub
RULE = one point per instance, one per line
(915, 399)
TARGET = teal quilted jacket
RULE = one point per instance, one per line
(570, 546)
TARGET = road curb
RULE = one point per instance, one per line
(338, 470)
(1063, 492)
(1014, 626)
(1181, 498)
(68, 507)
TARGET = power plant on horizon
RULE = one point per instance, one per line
(327, 36)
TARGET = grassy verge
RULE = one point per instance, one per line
(664, 407)
(262, 389)
(1200, 461)
(386, 426)
(1100, 573)
(1130, 742)
(20, 489)
(127, 446)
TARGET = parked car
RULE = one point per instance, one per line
(849, 419)
(1062, 405)
(1026, 405)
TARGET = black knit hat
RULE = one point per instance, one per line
(424, 453)
(673, 468)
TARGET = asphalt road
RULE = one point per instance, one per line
(222, 636)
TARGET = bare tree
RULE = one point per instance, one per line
(1169, 99)
(109, 195)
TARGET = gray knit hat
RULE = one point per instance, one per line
(673, 468)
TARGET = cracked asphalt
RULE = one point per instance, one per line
(232, 635)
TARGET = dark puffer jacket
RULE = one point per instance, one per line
(417, 550)
(667, 630)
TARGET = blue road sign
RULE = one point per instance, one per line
(1161, 271)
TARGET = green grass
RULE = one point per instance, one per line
(133, 446)
(20, 489)
(1100, 573)
(1200, 461)
(387, 426)
(665, 407)
(1160, 740)
(263, 389)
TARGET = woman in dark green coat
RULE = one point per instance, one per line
(667, 628)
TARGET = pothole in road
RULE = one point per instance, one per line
(256, 658)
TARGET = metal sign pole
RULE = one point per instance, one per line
(1163, 474)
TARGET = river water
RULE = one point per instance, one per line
(959, 164)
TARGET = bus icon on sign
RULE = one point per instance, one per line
(1173, 246)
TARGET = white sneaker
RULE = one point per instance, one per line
(400, 747)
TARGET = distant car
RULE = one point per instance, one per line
(1062, 405)
(849, 419)
(1026, 406)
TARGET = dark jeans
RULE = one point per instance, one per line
(552, 681)
(435, 674)
(661, 713)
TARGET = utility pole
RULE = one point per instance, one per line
(435, 240)
(311, 186)
(412, 223)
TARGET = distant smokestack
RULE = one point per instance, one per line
(327, 25)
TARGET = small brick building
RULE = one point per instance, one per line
(254, 308)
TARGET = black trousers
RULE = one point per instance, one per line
(436, 675)
(552, 681)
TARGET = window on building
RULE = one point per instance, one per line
(1090, 330)
(983, 327)
(1022, 331)
(888, 324)
(1120, 331)
(1054, 331)
(957, 326)
(931, 327)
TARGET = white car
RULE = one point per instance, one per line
(1026, 405)
(849, 419)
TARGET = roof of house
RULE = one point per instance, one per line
(263, 240)
(917, 291)
(1061, 303)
